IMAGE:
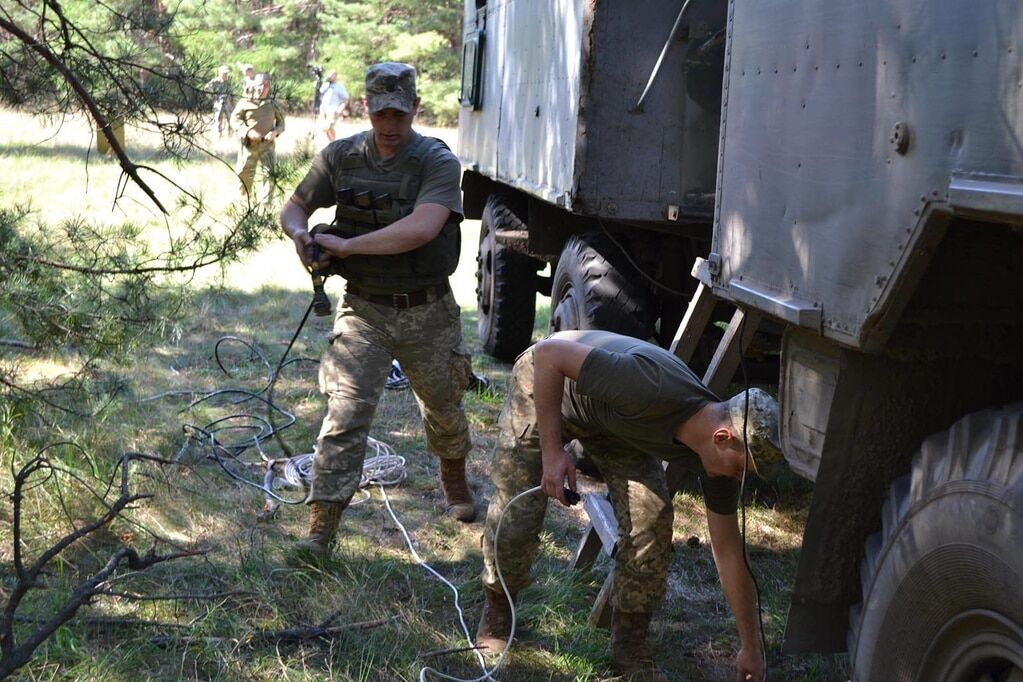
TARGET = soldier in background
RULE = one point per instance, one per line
(399, 210)
(259, 121)
(248, 78)
(223, 101)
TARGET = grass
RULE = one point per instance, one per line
(371, 576)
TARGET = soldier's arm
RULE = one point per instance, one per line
(411, 232)
(238, 118)
(554, 360)
(737, 584)
(295, 223)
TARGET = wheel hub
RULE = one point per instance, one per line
(565, 315)
(485, 274)
(976, 646)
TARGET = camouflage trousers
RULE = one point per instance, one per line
(635, 481)
(427, 341)
(252, 155)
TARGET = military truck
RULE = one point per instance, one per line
(572, 166)
(866, 164)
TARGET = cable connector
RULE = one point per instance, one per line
(321, 304)
(571, 497)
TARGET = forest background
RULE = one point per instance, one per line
(286, 38)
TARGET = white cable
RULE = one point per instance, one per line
(487, 674)
(384, 468)
(387, 469)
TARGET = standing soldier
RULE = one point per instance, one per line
(260, 122)
(223, 102)
(399, 208)
(248, 78)
(631, 404)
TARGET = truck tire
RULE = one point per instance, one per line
(505, 285)
(942, 597)
(594, 287)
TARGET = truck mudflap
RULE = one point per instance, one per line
(877, 410)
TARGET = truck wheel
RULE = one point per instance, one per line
(505, 285)
(594, 287)
(941, 581)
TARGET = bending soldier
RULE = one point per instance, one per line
(631, 404)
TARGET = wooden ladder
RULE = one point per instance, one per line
(602, 532)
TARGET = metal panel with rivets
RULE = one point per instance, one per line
(558, 120)
(850, 132)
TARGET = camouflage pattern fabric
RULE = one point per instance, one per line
(638, 490)
(427, 341)
(261, 116)
(252, 154)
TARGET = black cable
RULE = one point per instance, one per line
(742, 489)
(258, 429)
(625, 254)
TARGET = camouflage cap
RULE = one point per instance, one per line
(390, 85)
(761, 424)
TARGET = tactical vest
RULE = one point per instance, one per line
(368, 200)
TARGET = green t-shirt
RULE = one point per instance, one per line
(440, 184)
(634, 395)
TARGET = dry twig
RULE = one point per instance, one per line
(14, 653)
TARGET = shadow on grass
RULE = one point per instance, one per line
(371, 576)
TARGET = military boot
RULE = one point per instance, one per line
(495, 622)
(456, 490)
(630, 656)
(323, 521)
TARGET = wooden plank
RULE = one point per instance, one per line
(600, 614)
(726, 357)
(602, 517)
(694, 323)
(588, 550)
(602, 533)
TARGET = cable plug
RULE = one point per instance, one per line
(321, 304)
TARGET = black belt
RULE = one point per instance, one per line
(402, 300)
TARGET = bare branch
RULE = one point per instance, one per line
(287, 635)
(15, 654)
(126, 164)
(130, 596)
(15, 343)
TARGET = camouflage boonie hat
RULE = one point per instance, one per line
(390, 85)
(761, 424)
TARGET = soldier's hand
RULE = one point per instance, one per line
(254, 136)
(335, 246)
(749, 665)
(270, 136)
(304, 246)
(558, 467)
